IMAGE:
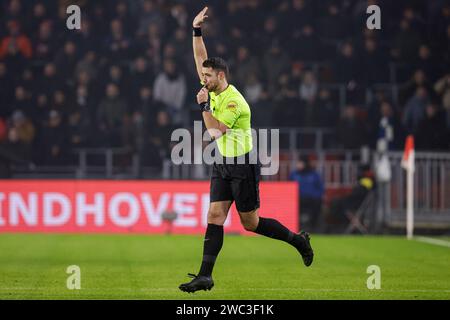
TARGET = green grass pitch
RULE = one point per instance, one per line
(33, 266)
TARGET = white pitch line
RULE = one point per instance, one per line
(85, 290)
(433, 241)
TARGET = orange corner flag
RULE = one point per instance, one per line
(408, 154)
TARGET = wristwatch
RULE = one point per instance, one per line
(204, 106)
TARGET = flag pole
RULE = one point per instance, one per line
(408, 165)
(409, 203)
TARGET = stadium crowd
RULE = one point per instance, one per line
(127, 77)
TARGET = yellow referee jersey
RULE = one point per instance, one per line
(230, 108)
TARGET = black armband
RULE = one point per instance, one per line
(204, 106)
(197, 32)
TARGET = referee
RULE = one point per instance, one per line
(227, 118)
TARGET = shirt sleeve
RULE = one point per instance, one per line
(231, 112)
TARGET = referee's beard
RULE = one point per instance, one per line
(211, 87)
(216, 87)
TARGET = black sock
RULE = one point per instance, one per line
(273, 229)
(212, 244)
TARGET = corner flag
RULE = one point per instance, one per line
(408, 154)
(408, 165)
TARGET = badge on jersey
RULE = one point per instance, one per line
(232, 106)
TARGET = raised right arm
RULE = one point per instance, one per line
(200, 53)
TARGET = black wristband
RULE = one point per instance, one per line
(197, 31)
(204, 106)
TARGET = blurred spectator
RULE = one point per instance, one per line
(115, 74)
(308, 88)
(15, 50)
(66, 60)
(179, 13)
(326, 111)
(22, 101)
(389, 134)
(13, 10)
(147, 107)
(310, 48)
(170, 88)
(169, 52)
(141, 75)
(252, 88)
(118, 45)
(82, 101)
(311, 192)
(150, 14)
(298, 15)
(78, 127)
(351, 132)
(333, 24)
(265, 115)
(12, 151)
(123, 14)
(50, 81)
(432, 132)
(418, 79)
(60, 103)
(88, 65)
(413, 17)
(407, 40)
(286, 95)
(296, 76)
(98, 16)
(308, 94)
(181, 44)
(111, 113)
(24, 127)
(235, 17)
(220, 48)
(414, 110)
(248, 66)
(275, 61)
(42, 110)
(85, 38)
(44, 43)
(150, 44)
(28, 80)
(426, 62)
(16, 43)
(55, 140)
(85, 100)
(374, 63)
(270, 31)
(374, 111)
(442, 88)
(160, 134)
(79, 120)
(347, 64)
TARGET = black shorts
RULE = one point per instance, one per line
(236, 182)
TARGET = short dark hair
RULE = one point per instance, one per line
(216, 63)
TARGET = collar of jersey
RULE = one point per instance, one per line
(226, 90)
